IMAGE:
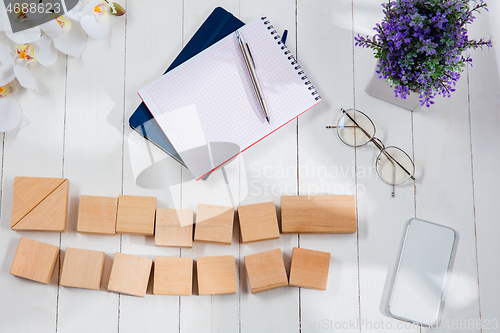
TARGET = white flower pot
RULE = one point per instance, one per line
(381, 89)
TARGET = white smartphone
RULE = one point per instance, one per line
(419, 281)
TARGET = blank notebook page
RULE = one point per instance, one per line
(208, 108)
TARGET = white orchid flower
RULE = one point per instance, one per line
(65, 36)
(14, 66)
(94, 16)
(11, 116)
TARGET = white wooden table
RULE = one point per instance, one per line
(79, 130)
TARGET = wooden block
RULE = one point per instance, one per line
(136, 215)
(174, 227)
(82, 268)
(318, 214)
(214, 224)
(258, 222)
(216, 275)
(97, 215)
(309, 268)
(130, 274)
(266, 270)
(173, 276)
(40, 204)
(34, 260)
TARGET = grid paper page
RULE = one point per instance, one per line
(207, 106)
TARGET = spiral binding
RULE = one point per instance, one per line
(291, 58)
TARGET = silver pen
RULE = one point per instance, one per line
(245, 51)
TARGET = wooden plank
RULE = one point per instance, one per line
(136, 215)
(266, 270)
(33, 151)
(484, 85)
(174, 227)
(130, 274)
(173, 276)
(51, 214)
(258, 222)
(97, 215)
(93, 163)
(318, 214)
(309, 268)
(82, 268)
(216, 275)
(147, 170)
(214, 224)
(34, 260)
(269, 170)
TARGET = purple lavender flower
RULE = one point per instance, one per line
(420, 43)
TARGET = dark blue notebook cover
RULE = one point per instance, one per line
(218, 25)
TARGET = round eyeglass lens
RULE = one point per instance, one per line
(394, 166)
(355, 129)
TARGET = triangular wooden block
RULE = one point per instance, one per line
(51, 214)
(29, 192)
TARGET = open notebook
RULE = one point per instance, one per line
(207, 106)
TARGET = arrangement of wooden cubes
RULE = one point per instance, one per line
(40, 204)
(309, 268)
(266, 270)
(214, 224)
(34, 260)
(258, 222)
(136, 215)
(82, 268)
(130, 274)
(174, 227)
(173, 276)
(97, 215)
(216, 275)
(318, 214)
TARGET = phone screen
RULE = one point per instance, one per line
(421, 273)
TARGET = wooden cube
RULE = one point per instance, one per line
(266, 270)
(214, 224)
(40, 204)
(216, 275)
(136, 215)
(82, 268)
(258, 222)
(130, 274)
(318, 214)
(174, 227)
(34, 260)
(97, 215)
(309, 268)
(173, 276)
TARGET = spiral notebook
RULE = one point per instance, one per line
(207, 106)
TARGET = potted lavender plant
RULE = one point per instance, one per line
(420, 45)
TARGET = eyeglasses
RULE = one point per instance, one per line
(393, 165)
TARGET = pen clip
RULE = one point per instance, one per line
(250, 53)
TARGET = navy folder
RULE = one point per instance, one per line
(218, 25)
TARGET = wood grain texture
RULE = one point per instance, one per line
(258, 222)
(34, 260)
(214, 224)
(51, 214)
(216, 275)
(82, 268)
(174, 227)
(173, 276)
(130, 274)
(29, 192)
(266, 270)
(309, 268)
(318, 214)
(97, 215)
(136, 215)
